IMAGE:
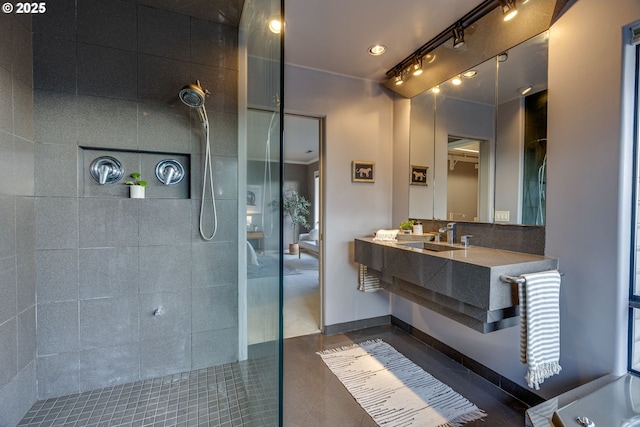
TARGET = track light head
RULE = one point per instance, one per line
(508, 9)
(458, 36)
(417, 67)
(399, 79)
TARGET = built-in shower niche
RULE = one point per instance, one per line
(143, 162)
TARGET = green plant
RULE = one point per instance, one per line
(136, 180)
(297, 207)
(406, 225)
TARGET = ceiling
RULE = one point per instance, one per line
(334, 35)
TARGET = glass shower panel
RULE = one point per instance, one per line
(260, 172)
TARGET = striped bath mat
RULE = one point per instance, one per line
(396, 392)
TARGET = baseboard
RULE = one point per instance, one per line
(524, 395)
(340, 328)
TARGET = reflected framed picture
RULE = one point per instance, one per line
(418, 175)
(254, 199)
(362, 171)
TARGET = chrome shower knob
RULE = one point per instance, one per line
(169, 172)
(106, 170)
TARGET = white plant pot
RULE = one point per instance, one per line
(136, 191)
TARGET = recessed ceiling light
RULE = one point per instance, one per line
(436, 89)
(429, 57)
(503, 57)
(275, 26)
(456, 80)
(469, 74)
(377, 49)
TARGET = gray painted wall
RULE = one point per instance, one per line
(104, 264)
(17, 247)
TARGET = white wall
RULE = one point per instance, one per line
(588, 184)
(588, 206)
(358, 126)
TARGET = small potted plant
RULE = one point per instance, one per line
(406, 226)
(136, 189)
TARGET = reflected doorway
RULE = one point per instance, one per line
(463, 172)
(302, 265)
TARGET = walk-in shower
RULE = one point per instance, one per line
(193, 95)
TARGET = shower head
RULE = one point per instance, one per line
(193, 95)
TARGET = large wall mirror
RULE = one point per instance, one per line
(482, 136)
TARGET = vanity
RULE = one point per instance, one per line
(462, 283)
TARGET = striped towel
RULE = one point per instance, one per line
(386, 235)
(540, 325)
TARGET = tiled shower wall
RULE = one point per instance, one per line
(104, 264)
(17, 248)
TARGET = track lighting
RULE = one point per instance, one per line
(399, 79)
(525, 90)
(417, 67)
(508, 9)
(458, 36)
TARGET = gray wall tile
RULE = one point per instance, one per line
(57, 275)
(227, 220)
(8, 351)
(226, 141)
(6, 100)
(116, 27)
(214, 44)
(58, 21)
(214, 348)
(160, 79)
(26, 337)
(164, 221)
(108, 321)
(22, 47)
(61, 180)
(18, 396)
(7, 225)
(23, 109)
(7, 164)
(6, 49)
(107, 222)
(108, 72)
(56, 223)
(107, 123)
(165, 268)
(214, 264)
(54, 64)
(24, 157)
(214, 308)
(173, 318)
(108, 272)
(25, 253)
(162, 33)
(58, 375)
(225, 97)
(8, 296)
(57, 328)
(163, 357)
(108, 366)
(164, 127)
(56, 117)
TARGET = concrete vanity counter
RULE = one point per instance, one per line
(458, 282)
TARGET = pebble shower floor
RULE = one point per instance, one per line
(216, 396)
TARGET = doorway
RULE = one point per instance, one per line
(302, 289)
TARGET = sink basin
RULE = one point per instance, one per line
(433, 247)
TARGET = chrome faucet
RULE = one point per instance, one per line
(450, 229)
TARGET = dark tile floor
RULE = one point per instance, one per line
(245, 393)
(314, 397)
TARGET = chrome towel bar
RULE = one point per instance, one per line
(516, 280)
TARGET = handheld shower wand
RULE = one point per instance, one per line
(193, 95)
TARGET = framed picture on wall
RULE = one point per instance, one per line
(254, 199)
(362, 171)
(418, 175)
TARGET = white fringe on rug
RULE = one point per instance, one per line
(394, 390)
